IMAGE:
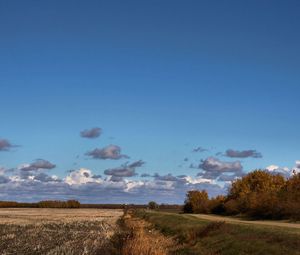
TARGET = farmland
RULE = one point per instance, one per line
(138, 231)
(57, 231)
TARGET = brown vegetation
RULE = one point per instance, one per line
(259, 194)
(142, 239)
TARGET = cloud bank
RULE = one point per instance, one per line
(87, 187)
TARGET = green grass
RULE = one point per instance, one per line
(202, 237)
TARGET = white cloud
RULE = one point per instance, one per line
(2, 170)
(296, 168)
(198, 180)
(274, 168)
(81, 176)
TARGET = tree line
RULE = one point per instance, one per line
(77, 204)
(41, 204)
(259, 194)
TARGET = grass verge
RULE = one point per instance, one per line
(201, 237)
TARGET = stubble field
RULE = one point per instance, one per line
(57, 231)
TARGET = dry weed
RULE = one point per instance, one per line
(142, 241)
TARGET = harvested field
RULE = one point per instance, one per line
(56, 231)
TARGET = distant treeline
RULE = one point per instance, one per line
(76, 204)
(111, 206)
(259, 194)
(41, 204)
(134, 206)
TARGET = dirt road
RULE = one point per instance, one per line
(254, 222)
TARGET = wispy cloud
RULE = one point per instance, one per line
(5, 145)
(199, 149)
(91, 133)
(167, 177)
(145, 175)
(243, 154)
(126, 170)
(37, 165)
(108, 152)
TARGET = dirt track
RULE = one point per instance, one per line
(254, 222)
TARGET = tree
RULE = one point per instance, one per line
(217, 204)
(290, 197)
(196, 202)
(153, 205)
(257, 193)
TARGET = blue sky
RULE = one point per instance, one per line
(160, 78)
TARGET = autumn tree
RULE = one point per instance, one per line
(196, 202)
(217, 204)
(257, 194)
(290, 197)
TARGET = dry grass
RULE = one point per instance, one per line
(144, 240)
(56, 231)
